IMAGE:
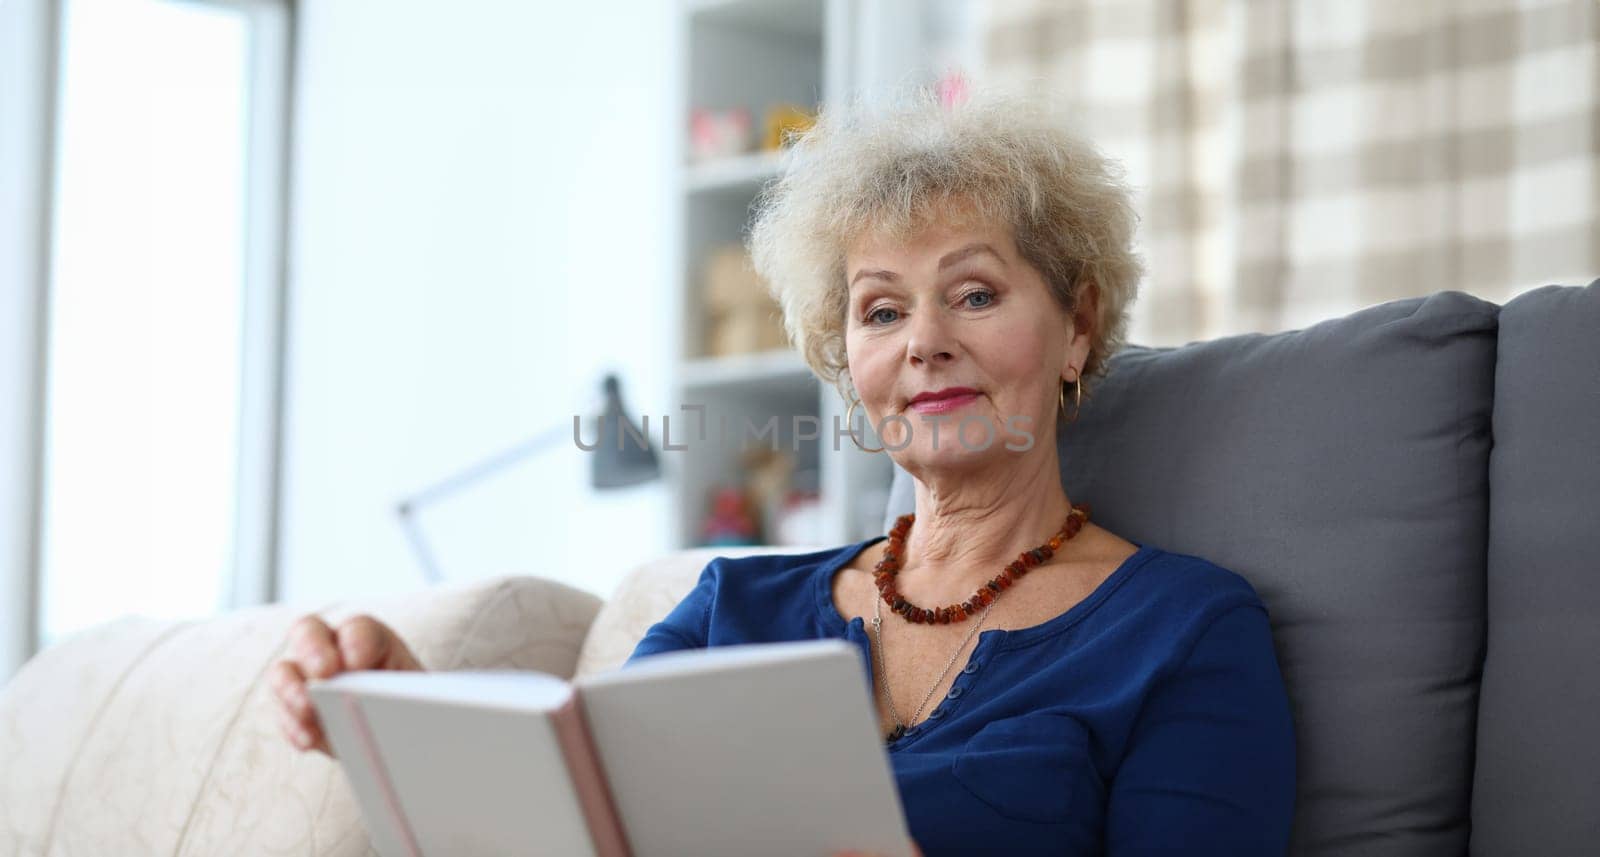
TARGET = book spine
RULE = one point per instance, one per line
(358, 720)
(588, 780)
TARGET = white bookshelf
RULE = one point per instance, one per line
(735, 174)
(753, 54)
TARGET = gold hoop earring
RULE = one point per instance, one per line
(1077, 398)
(849, 424)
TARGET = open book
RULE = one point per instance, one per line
(769, 749)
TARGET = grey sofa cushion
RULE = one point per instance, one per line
(1538, 766)
(1342, 469)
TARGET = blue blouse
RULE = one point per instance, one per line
(1150, 718)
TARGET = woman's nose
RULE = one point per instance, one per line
(931, 339)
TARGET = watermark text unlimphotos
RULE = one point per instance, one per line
(974, 432)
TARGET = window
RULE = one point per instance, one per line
(162, 335)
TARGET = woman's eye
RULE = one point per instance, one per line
(876, 316)
(988, 298)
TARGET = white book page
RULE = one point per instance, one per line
(389, 836)
(768, 749)
(512, 689)
(467, 763)
(475, 781)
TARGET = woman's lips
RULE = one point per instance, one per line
(939, 406)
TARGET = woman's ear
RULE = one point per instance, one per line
(1085, 318)
(1086, 305)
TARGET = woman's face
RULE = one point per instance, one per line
(957, 307)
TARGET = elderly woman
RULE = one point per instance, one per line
(1043, 685)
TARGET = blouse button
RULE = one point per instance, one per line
(936, 713)
(970, 668)
(954, 692)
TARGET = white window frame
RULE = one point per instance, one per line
(254, 579)
(28, 84)
(29, 138)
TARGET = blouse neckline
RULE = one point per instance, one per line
(1008, 639)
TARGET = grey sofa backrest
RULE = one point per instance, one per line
(1344, 470)
(1537, 781)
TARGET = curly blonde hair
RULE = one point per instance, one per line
(999, 157)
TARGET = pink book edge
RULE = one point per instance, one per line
(588, 780)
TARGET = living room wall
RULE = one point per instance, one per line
(478, 203)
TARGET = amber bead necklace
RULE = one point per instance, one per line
(889, 566)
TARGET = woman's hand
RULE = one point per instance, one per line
(915, 852)
(318, 651)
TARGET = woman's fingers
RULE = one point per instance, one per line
(312, 654)
(294, 730)
(367, 644)
(288, 683)
(317, 651)
(311, 644)
(296, 714)
(303, 737)
(297, 717)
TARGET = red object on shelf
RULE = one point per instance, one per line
(730, 522)
(718, 133)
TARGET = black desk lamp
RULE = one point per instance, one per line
(621, 458)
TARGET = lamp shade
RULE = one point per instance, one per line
(625, 455)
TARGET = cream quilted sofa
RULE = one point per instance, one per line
(158, 737)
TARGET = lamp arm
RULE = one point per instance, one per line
(483, 468)
(408, 506)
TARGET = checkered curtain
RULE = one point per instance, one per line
(1295, 161)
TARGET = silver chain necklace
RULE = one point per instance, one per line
(877, 630)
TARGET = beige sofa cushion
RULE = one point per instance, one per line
(146, 737)
(646, 595)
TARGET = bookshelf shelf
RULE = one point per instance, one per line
(756, 56)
